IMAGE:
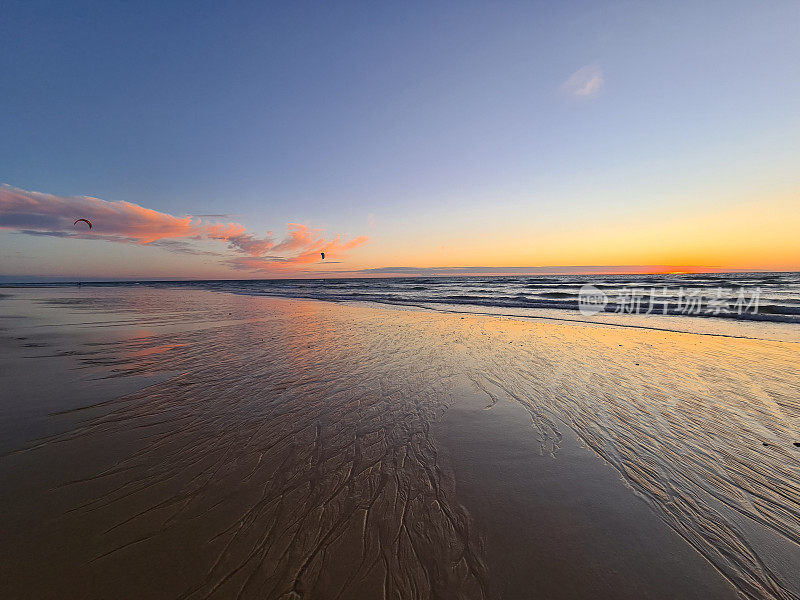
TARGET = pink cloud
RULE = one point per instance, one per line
(311, 253)
(300, 238)
(36, 213)
(20, 209)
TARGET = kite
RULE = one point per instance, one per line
(87, 221)
(321, 253)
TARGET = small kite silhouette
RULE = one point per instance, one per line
(321, 253)
(87, 221)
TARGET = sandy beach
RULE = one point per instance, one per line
(194, 444)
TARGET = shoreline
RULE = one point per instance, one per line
(775, 296)
(785, 333)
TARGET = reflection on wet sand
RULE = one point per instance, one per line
(290, 452)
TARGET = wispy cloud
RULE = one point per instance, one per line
(586, 81)
(40, 214)
(58, 234)
(185, 247)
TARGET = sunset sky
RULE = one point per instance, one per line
(208, 140)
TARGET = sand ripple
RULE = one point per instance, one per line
(302, 431)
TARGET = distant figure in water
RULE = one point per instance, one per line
(323, 255)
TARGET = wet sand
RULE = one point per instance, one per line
(197, 444)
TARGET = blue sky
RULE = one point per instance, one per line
(421, 125)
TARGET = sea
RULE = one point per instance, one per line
(755, 296)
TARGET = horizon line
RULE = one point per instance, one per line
(400, 272)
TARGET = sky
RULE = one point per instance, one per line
(241, 140)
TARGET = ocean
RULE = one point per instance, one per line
(759, 296)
